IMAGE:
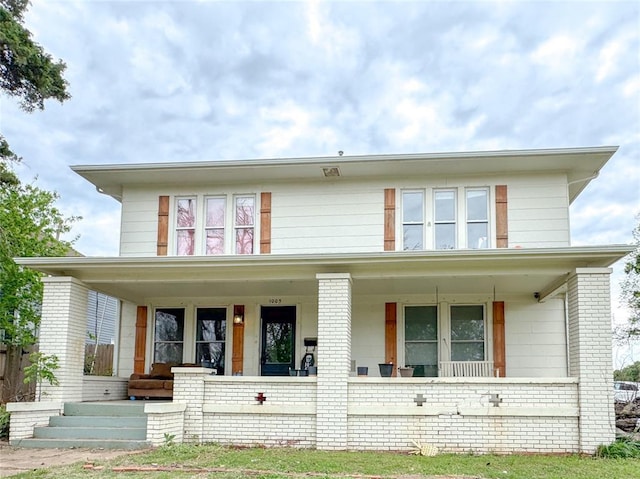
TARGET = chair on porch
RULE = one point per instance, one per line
(466, 369)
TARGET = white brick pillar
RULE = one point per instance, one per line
(334, 359)
(590, 354)
(188, 389)
(63, 329)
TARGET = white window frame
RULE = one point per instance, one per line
(423, 223)
(207, 228)
(455, 222)
(237, 227)
(486, 221)
(444, 328)
(177, 228)
(461, 220)
(228, 341)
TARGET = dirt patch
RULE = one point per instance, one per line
(14, 460)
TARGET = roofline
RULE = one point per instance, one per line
(323, 160)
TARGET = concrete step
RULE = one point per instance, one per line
(115, 409)
(107, 433)
(98, 421)
(82, 443)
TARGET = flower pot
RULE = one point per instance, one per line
(313, 370)
(386, 369)
(293, 372)
(406, 372)
(363, 370)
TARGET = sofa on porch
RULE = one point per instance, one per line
(157, 384)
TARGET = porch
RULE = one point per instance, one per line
(539, 343)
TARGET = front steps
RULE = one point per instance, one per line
(106, 425)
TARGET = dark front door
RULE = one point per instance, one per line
(278, 340)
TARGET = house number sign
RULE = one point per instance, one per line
(275, 300)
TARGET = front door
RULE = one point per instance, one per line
(278, 340)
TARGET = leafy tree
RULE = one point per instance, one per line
(30, 225)
(26, 72)
(631, 289)
(629, 373)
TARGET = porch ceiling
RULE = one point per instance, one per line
(461, 271)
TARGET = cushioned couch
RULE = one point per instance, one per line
(157, 384)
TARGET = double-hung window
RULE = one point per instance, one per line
(467, 333)
(477, 218)
(211, 334)
(421, 339)
(412, 220)
(168, 335)
(445, 219)
(185, 226)
(244, 224)
(214, 224)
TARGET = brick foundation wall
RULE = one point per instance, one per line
(25, 416)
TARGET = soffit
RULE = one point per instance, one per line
(579, 164)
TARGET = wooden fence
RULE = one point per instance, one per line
(102, 360)
(12, 384)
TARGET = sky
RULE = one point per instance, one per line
(157, 81)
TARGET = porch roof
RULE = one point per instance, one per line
(506, 271)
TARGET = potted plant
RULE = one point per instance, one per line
(386, 369)
(363, 370)
(406, 372)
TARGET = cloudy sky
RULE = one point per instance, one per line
(177, 80)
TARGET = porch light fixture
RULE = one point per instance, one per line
(331, 171)
(238, 318)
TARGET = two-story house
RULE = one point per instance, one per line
(458, 265)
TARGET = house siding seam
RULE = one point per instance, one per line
(334, 360)
(590, 355)
(63, 331)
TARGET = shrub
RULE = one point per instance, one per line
(621, 448)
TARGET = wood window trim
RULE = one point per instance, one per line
(265, 223)
(391, 335)
(502, 228)
(499, 348)
(140, 340)
(163, 226)
(390, 219)
(237, 355)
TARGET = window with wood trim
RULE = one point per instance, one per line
(421, 340)
(446, 218)
(468, 333)
(185, 226)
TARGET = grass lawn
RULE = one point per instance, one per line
(212, 461)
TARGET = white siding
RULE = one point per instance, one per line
(536, 344)
(538, 211)
(320, 219)
(342, 216)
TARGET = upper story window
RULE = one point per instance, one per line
(168, 340)
(214, 225)
(201, 225)
(413, 220)
(445, 218)
(477, 218)
(185, 226)
(245, 213)
(444, 205)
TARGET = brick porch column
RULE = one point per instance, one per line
(63, 329)
(334, 359)
(590, 354)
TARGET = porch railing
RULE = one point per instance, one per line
(466, 369)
